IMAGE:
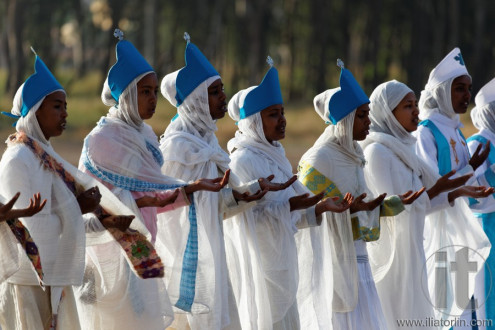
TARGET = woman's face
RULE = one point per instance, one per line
(216, 100)
(361, 127)
(407, 112)
(147, 95)
(52, 114)
(461, 93)
(274, 122)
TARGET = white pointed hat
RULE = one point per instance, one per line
(451, 66)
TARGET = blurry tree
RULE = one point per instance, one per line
(377, 39)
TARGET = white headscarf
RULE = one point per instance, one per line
(386, 130)
(437, 100)
(483, 114)
(127, 108)
(251, 132)
(484, 117)
(384, 99)
(29, 124)
(193, 118)
(340, 134)
(194, 112)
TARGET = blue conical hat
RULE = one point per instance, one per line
(348, 98)
(40, 84)
(130, 64)
(197, 70)
(266, 94)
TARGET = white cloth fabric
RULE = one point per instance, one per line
(347, 174)
(126, 108)
(368, 313)
(440, 230)
(321, 103)
(426, 147)
(28, 307)
(61, 232)
(486, 94)
(58, 229)
(123, 146)
(191, 151)
(483, 116)
(437, 100)
(387, 96)
(260, 244)
(341, 160)
(450, 66)
(397, 259)
(10, 252)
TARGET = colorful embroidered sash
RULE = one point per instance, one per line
(190, 260)
(316, 182)
(24, 238)
(139, 251)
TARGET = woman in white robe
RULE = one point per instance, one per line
(398, 259)
(29, 165)
(442, 146)
(190, 149)
(261, 247)
(335, 164)
(122, 152)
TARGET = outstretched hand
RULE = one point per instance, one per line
(304, 201)
(331, 204)
(479, 156)
(121, 222)
(35, 205)
(266, 183)
(475, 192)
(150, 201)
(410, 196)
(246, 197)
(446, 184)
(89, 200)
(359, 205)
(214, 185)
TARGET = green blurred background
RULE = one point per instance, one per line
(378, 40)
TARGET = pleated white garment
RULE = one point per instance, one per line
(359, 306)
(260, 244)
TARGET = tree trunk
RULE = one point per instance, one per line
(15, 28)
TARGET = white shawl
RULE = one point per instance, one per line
(261, 248)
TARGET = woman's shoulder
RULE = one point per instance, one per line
(17, 152)
(242, 156)
(376, 149)
(319, 154)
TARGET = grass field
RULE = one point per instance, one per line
(85, 108)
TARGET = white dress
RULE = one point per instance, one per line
(112, 296)
(398, 258)
(439, 232)
(59, 232)
(261, 248)
(366, 311)
(188, 157)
